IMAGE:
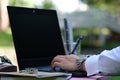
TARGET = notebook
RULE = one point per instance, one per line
(36, 35)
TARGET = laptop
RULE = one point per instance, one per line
(36, 36)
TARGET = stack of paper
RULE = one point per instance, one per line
(38, 75)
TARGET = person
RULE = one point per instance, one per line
(105, 63)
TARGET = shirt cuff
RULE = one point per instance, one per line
(91, 65)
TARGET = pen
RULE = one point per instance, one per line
(77, 43)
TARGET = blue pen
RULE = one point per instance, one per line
(77, 43)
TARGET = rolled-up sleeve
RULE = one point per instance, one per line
(106, 63)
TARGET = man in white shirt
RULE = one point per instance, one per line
(106, 63)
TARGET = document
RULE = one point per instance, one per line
(38, 75)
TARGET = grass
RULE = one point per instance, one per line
(6, 39)
(6, 46)
(115, 78)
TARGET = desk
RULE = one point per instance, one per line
(10, 77)
(4, 77)
(16, 77)
(38, 76)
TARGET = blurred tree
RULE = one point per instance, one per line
(112, 6)
(23, 3)
(47, 4)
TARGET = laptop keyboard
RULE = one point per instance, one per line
(49, 69)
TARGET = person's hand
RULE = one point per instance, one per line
(65, 62)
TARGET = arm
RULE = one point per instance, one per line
(108, 63)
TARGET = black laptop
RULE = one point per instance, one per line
(36, 35)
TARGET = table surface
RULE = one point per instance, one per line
(10, 77)
(4, 77)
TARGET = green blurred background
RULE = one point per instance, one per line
(95, 39)
(92, 34)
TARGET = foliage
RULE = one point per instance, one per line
(110, 5)
(91, 39)
(6, 39)
(48, 4)
(23, 3)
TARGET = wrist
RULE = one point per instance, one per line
(81, 63)
(83, 66)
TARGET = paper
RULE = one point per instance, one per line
(51, 74)
(38, 75)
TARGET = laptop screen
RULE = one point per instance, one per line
(36, 35)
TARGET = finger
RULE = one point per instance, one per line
(56, 64)
(57, 59)
(60, 56)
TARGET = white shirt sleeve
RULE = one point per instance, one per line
(106, 63)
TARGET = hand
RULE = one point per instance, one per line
(65, 62)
